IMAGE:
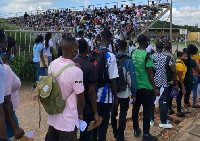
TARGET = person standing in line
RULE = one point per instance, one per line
(106, 94)
(166, 51)
(11, 96)
(181, 70)
(164, 64)
(188, 81)
(38, 58)
(63, 126)
(124, 96)
(3, 49)
(90, 80)
(146, 88)
(193, 50)
(48, 49)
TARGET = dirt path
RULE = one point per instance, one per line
(28, 115)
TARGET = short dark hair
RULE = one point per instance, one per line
(192, 49)
(106, 34)
(179, 54)
(39, 39)
(11, 42)
(80, 32)
(2, 35)
(159, 45)
(122, 44)
(83, 46)
(168, 45)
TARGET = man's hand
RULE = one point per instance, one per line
(134, 99)
(80, 117)
(115, 102)
(45, 66)
(18, 133)
(96, 118)
(176, 86)
(157, 93)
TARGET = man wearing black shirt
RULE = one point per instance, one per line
(90, 80)
(25, 17)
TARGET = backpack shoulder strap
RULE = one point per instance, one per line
(178, 62)
(64, 68)
(146, 58)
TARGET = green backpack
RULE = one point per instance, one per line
(50, 93)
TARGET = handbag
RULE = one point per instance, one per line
(30, 58)
(174, 93)
(45, 60)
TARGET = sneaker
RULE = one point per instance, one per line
(167, 125)
(180, 114)
(137, 132)
(151, 122)
(186, 111)
(149, 138)
(195, 106)
(170, 112)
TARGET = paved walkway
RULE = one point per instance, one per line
(190, 130)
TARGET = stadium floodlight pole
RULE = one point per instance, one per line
(171, 23)
(82, 6)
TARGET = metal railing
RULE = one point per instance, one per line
(25, 38)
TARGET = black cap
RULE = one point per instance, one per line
(142, 39)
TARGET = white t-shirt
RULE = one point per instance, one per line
(47, 51)
(122, 9)
(110, 48)
(131, 49)
(90, 43)
(149, 48)
(2, 81)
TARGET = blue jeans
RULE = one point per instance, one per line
(195, 86)
(40, 71)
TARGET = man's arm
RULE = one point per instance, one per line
(113, 86)
(173, 70)
(93, 101)
(151, 79)
(180, 73)
(80, 104)
(9, 116)
(3, 133)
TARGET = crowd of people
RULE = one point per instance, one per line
(126, 19)
(102, 77)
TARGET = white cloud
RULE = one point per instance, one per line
(15, 6)
(86, 2)
(184, 15)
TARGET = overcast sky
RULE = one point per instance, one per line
(185, 12)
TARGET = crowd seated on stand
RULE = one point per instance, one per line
(126, 19)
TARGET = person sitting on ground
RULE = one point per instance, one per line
(11, 96)
(3, 49)
(124, 96)
(63, 126)
(90, 80)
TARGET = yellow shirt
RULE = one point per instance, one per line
(180, 66)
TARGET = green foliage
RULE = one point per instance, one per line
(20, 65)
(164, 24)
(23, 69)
